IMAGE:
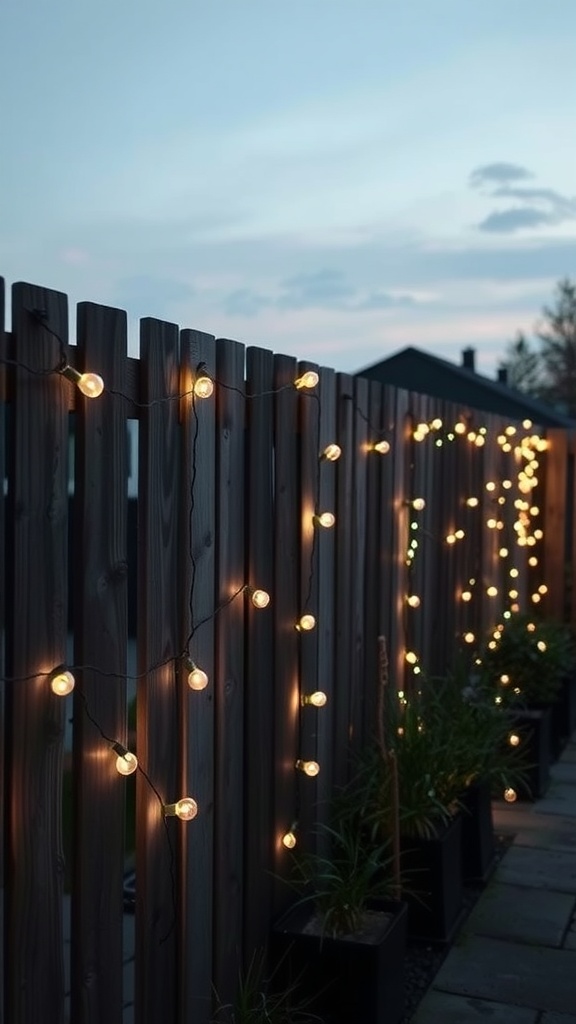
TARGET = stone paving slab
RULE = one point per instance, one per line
(529, 976)
(564, 771)
(444, 1008)
(548, 831)
(533, 916)
(560, 799)
(537, 868)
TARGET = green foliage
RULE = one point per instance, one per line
(260, 1001)
(341, 883)
(528, 660)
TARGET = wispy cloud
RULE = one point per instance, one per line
(540, 207)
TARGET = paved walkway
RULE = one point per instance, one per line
(515, 960)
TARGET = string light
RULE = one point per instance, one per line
(331, 453)
(310, 768)
(418, 504)
(469, 638)
(413, 600)
(289, 839)
(186, 809)
(514, 739)
(325, 519)
(90, 384)
(62, 681)
(307, 380)
(492, 591)
(466, 595)
(203, 387)
(259, 598)
(382, 447)
(318, 699)
(510, 795)
(197, 678)
(305, 623)
(411, 657)
(472, 502)
(126, 762)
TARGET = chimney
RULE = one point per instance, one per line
(502, 375)
(468, 358)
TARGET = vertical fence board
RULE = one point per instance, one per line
(313, 539)
(229, 695)
(100, 622)
(343, 575)
(259, 736)
(386, 429)
(359, 684)
(35, 643)
(556, 503)
(197, 599)
(158, 642)
(324, 611)
(287, 610)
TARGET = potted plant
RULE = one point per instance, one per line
(344, 940)
(526, 661)
(260, 999)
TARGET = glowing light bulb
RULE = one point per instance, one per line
(310, 768)
(543, 589)
(510, 795)
(527, 424)
(332, 452)
(514, 739)
(479, 441)
(185, 809)
(459, 534)
(305, 623)
(472, 502)
(536, 598)
(62, 682)
(203, 387)
(307, 380)
(492, 591)
(504, 679)
(533, 561)
(259, 598)
(318, 699)
(325, 519)
(507, 484)
(289, 840)
(531, 627)
(541, 646)
(459, 428)
(513, 594)
(197, 678)
(418, 435)
(490, 486)
(491, 524)
(418, 504)
(90, 384)
(466, 595)
(451, 538)
(436, 424)
(469, 638)
(382, 447)
(503, 552)
(413, 600)
(411, 658)
(126, 762)
(510, 431)
(514, 573)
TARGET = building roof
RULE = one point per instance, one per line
(415, 370)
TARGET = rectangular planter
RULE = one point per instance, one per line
(478, 846)
(432, 876)
(567, 708)
(345, 980)
(533, 726)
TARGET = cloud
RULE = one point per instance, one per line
(320, 288)
(245, 302)
(384, 300)
(542, 207)
(489, 174)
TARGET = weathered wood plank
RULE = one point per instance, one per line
(229, 681)
(158, 643)
(343, 576)
(286, 602)
(358, 569)
(196, 734)
(259, 712)
(35, 644)
(100, 644)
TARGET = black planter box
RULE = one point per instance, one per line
(432, 876)
(345, 980)
(566, 708)
(478, 846)
(533, 725)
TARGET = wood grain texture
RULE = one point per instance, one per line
(159, 500)
(286, 601)
(358, 570)
(197, 567)
(100, 627)
(259, 689)
(229, 680)
(343, 577)
(35, 643)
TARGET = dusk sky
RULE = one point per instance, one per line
(332, 179)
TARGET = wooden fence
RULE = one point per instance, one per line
(228, 488)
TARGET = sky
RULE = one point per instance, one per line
(330, 179)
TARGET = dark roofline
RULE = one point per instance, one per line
(539, 411)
